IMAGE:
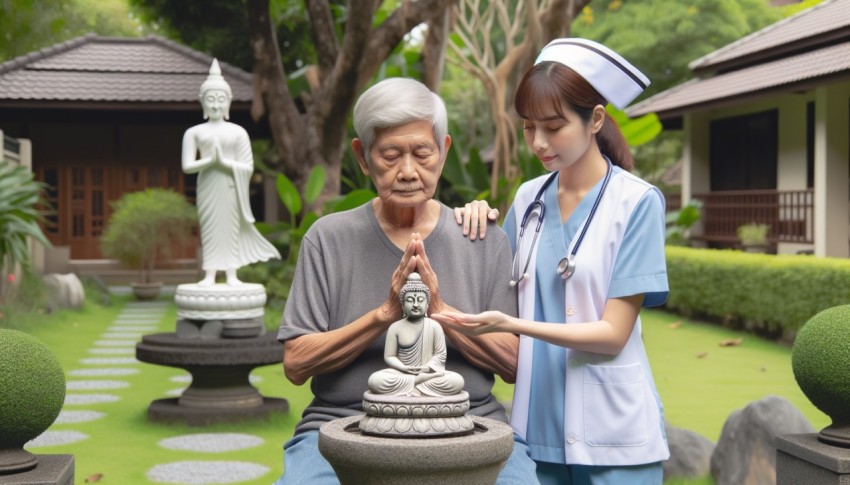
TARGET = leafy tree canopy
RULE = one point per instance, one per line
(662, 37)
(29, 25)
(222, 28)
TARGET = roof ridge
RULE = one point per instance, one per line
(21, 61)
(706, 59)
(201, 56)
(46, 52)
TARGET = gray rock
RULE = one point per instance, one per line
(746, 451)
(63, 291)
(690, 454)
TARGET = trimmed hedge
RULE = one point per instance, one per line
(772, 295)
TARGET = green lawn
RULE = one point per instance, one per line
(698, 393)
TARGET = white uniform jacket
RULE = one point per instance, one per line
(612, 416)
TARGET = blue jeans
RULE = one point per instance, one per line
(303, 464)
(556, 474)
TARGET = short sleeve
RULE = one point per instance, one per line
(641, 266)
(306, 306)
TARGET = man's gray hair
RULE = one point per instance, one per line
(395, 102)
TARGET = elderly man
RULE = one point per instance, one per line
(352, 265)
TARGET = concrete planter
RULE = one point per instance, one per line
(146, 291)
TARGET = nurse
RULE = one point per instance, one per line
(588, 243)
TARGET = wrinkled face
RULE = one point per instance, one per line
(559, 139)
(415, 304)
(404, 163)
(215, 103)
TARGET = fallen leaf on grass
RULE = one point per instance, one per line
(676, 324)
(701, 355)
(731, 342)
(94, 478)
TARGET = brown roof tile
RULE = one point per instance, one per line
(782, 74)
(107, 69)
(829, 16)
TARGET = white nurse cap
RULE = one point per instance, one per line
(611, 75)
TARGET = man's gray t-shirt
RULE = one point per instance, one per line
(344, 269)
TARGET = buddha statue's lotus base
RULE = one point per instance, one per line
(416, 416)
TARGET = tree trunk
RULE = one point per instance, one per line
(434, 50)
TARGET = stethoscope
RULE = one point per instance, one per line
(567, 265)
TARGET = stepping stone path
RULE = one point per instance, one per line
(113, 356)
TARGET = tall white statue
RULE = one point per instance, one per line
(415, 350)
(229, 239)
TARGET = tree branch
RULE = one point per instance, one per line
(324, 37)
(270, 89)
(392, 30)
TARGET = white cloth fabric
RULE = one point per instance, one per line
(611, 75)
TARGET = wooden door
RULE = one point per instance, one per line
(80, 199)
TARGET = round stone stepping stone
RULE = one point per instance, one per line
(137, 321)
(95, 385)
(130, 351)
(124, 371)
(109, 360)
(66, 417)
(54, 438)
(76, 399)
(212, 442)
(203, 472)
(116, 343)
(120, 335)
(175, 392)
(132, 329)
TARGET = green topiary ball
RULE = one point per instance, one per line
(32, 388)
(821, 362)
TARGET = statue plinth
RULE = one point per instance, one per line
(220, 310)
(416, 416)
(476, 458)
(220, 390)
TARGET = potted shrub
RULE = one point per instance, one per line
(753, 237)
(141, 231)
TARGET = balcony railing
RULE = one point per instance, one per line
(790, 214)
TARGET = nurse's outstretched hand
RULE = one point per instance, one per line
(474, 217)
(475, 324)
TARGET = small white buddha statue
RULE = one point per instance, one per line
(415, 350)
(229, 239)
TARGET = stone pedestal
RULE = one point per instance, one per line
(220, 368)
(802, 458)
(473, 459)
(50, 470)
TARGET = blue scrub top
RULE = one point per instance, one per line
(639, 268)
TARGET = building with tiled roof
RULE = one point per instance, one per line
(766, 122)
(106, 116)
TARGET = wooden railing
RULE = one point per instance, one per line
(789, 213)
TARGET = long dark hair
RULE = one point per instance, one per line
(551, 85)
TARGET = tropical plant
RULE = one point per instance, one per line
(753, 234)
(680, 221)
(20, 199)
(144, 226)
